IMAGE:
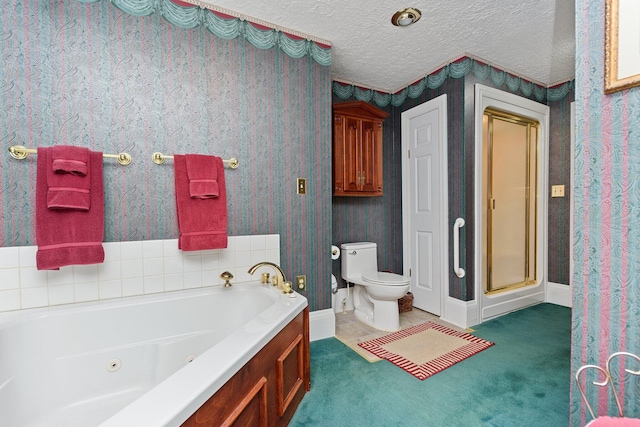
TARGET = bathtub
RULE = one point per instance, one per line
(148, 360)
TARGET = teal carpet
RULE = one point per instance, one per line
(523, 380)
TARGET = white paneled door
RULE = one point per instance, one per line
(425, 231)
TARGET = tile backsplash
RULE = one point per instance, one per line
(129, 268)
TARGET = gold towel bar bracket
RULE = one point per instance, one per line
(159, 158)
(19, 152)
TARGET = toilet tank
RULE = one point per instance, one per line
(358, 258)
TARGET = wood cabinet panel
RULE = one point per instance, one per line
(251, 411)
(267, 390)
(352, 159)
(357, 149)
(290, 374)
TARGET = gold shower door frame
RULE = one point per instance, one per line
(504, 274)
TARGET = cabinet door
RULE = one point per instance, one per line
(357, 149)
(370, 174)
(338, 155)
(352, 155)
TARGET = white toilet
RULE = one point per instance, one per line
(376, 294)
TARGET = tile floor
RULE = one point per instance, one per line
(351, 331)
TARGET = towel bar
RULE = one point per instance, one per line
(158, 158)
(19, 152)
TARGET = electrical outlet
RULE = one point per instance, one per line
(301, 282)
(557, 191)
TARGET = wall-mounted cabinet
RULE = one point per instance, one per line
(357, 149)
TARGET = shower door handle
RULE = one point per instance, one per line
(456, 247)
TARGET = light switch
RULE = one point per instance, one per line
(557, 191)
(302, 186)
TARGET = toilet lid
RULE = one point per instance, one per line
(382, 278)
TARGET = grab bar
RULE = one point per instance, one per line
(456, 247)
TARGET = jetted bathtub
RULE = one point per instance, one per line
(141, 361)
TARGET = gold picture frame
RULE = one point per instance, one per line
(622, 58)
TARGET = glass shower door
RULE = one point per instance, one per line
(511, 203)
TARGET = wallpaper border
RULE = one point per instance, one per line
(456, 70)
(187, 15)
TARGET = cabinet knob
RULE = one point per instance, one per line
(361, 178)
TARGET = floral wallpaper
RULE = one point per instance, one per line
(91, 74)
(606, 299)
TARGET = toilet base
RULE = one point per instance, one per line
(342, 301)
(379, 314)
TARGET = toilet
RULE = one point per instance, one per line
(376, 293)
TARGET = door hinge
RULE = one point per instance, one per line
(409, 272)
(408, 154)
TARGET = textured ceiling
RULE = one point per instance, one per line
(534, 39)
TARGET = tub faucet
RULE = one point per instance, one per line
(280, 276)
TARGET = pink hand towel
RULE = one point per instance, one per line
(202, 222)
(69, 236)
(70, 159)
(203, 176)
(68, 183)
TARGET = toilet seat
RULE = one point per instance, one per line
(385, 279)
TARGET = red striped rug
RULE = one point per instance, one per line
(426, 349)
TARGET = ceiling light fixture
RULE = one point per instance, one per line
(406, 17)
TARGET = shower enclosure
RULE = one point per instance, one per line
(510, 165)
(511, 174)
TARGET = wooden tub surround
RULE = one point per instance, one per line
(266, 391)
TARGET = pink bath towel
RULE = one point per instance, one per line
(68, 182)
(202, 172)
(70, 159)
(202, 222)
(69, 236)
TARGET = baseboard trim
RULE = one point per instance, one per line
(462, 314)
(514, 302)
(322, 324)
(559, 294)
